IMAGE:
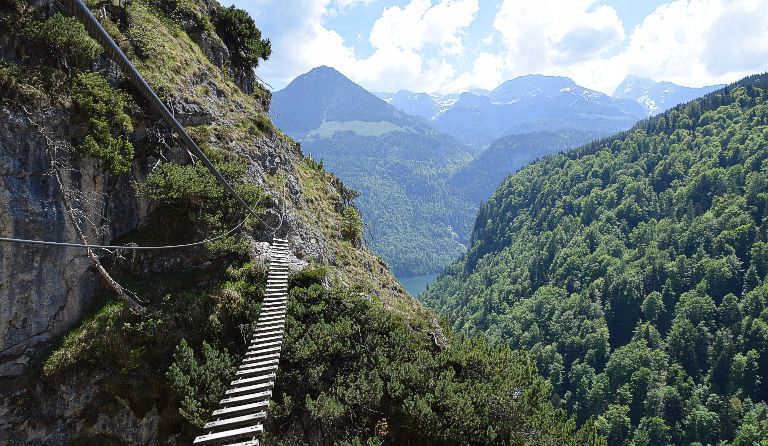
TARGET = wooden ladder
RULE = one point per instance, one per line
(239, 419)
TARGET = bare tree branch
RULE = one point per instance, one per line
(76, 203)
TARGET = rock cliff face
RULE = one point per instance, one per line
(44, 291)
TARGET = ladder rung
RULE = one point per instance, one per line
(260, 358)
(270, 324)
(235, 421)
(276, 337)
(244, 408)
(254, 380)
(257, 396)
(262, 351)
(262, 387)
(263, 345)
(263, 363)
(266, 334)
(234, 434)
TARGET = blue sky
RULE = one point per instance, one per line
(446, 46)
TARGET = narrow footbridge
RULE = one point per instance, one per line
(239, 419)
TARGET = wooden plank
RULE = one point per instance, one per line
(264, 343)
(254, 380)
(270, 324)
(256, 370)
(260, 358)
(235, 434)
(261, 387)
(266, 334)
(275, 337)
(274, 307)
(264, 363)
(260, 333)
(225, 423)
(257, 396)
(251, 408)
(263, 351)
(245, 443)
(263, 346)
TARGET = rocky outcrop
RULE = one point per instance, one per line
(44, 290)
(88, 410)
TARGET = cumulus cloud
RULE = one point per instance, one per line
(549, 32)
(421, 24)
(700, 42)
(690, 42)
(423, 45)
(411, 43)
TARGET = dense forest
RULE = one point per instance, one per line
(479, 178)
(634, 268)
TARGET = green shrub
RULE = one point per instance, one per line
(239, 33)
(95, 336)
(199, 384)
(190, 14)
(191, 190)
(61, 41)
(108, 122)
(352, 228)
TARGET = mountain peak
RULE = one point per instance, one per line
(521, 86)
(656, 97)
(324, 95)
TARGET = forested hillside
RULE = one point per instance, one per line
(414, 222)
(635, 268)
(479, 178)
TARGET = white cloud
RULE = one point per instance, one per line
(420, 24)
(423, 45)
(570, 38)
(486, 72)
(544, 32)
(700, 42)
(690, 42)
(411, 44)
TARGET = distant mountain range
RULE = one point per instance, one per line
(525, 104)
(541, 103)
(657, 97)
(423, 163)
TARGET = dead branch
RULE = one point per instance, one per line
(58, 152)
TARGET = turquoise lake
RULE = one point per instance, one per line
(417, 284)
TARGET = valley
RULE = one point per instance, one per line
(423, 163)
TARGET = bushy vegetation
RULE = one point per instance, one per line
(108, 123)
(355, 373)
(635, 270)
(352, 372)
(241, 36)
(192, 201)
(60, 41)
(200, 384)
